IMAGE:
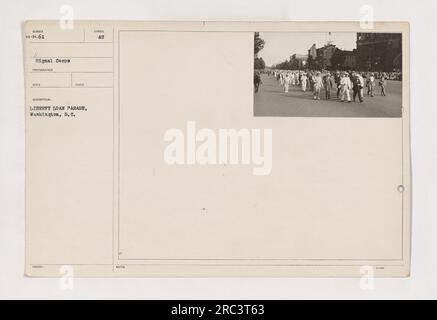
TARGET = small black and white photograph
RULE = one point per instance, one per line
(328, 74)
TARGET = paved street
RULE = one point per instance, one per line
(271, 100)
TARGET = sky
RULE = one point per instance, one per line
(280, 46)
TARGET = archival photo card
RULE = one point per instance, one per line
(217, 149)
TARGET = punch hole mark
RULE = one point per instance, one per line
(401, 188)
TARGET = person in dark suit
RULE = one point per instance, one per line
(358, 85)
(328, 84)
(337, 79)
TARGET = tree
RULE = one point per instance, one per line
(259, 44)
(311, 63)
(294, 63)
(259, 63)
(286, 65)
(338, 59)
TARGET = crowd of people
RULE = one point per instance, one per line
(389, 75)
(348, 85)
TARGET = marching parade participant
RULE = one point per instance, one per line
(371, 85)
(345, 87)
(358, 85)
(383, 85)
(318, 84)
(287, 82)
(328, 84)
(304, 81)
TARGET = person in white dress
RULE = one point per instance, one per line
(345, 87)
(287, 82)
(318, 84)
(304, 82)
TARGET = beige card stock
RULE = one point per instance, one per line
(121, 179)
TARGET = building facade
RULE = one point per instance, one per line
(320, 58)
(379, 51)
(312, 52)
(324, 55)
(350, 60)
